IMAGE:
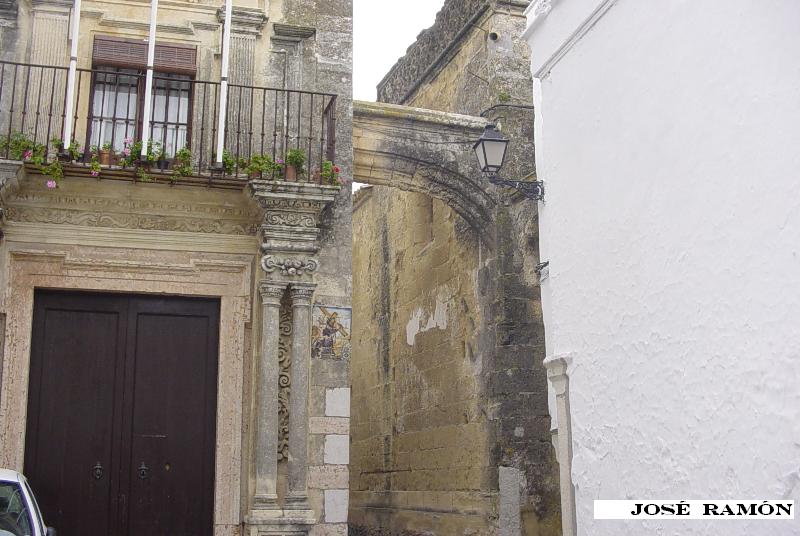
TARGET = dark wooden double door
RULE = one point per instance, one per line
(121, 413)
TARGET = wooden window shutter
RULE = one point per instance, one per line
(176, 58)
(132, 54)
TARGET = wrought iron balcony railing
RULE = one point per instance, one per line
(264, 127)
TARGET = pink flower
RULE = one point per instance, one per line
(27, 154)
(128, 141)
(126, 151)
(279, 161)
(95, 173)
(336, 169)
(52, 184)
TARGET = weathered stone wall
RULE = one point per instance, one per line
(294, 44)
(471, 60)
(419, 436)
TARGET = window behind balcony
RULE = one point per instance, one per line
(115, 102)
(118, 93)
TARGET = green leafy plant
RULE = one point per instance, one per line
(132, 153)
(504, 97)
(142, 175)
(55, 171)
(182, 166)
(106, 146)
(94, 166)
(73, 151)
(20, 147)
(297, 159)
(228, 162)
(330, 173)
(262, 164)
(154, 151)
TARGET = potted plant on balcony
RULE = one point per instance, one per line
(260, 166)
(55, 171)
(228, 162)
(128, 156)
(105, 154)
(18, 146)
(71, 154)
(182, 165)
(330, 173)
(94, 166)
(295, 164)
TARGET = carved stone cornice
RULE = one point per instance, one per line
(293, 32)
(52, 7)
(290, 228)
(96, 204)
(247, 21)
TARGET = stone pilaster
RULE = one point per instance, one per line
(50, 32)
(559, 379)
(265, 501)
(290, 233)
(297, 498)
(246, 27)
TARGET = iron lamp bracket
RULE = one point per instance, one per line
(530, 189)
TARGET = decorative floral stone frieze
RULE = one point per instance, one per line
(289, 267)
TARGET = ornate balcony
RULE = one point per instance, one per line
(265, 129)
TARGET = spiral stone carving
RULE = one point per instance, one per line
(284, 378)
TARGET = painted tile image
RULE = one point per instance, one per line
(330, 332)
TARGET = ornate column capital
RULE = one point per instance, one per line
(290, 227)
(271, 293)
(301, 293)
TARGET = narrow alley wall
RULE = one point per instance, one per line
(450, 429)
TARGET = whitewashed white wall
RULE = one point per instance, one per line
(668, 133)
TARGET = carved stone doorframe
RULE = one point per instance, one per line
(101, 270)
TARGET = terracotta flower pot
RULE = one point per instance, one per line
(291, 173)
(104, 157)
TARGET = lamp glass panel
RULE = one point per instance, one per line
(481, 156)
(495, 153)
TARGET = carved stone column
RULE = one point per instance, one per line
(290, 243)
(265, 501)
(301, 293)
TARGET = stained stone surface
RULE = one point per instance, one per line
(448, 381)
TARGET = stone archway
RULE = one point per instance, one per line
(423, 151)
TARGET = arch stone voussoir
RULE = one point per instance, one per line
(423, 151)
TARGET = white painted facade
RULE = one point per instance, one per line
(668, 135)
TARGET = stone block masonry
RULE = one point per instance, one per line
(450, 425)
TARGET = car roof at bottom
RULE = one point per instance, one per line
(9, 475)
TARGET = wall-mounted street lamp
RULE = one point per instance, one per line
(491, 152)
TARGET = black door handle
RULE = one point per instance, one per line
(97, 471)
(144, 471)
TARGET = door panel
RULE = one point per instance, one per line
(76, 348)
(124, 381)
(173, 418)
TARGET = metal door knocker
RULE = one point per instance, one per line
(143, 471)
(97, 471)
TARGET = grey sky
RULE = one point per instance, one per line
(383, 30)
